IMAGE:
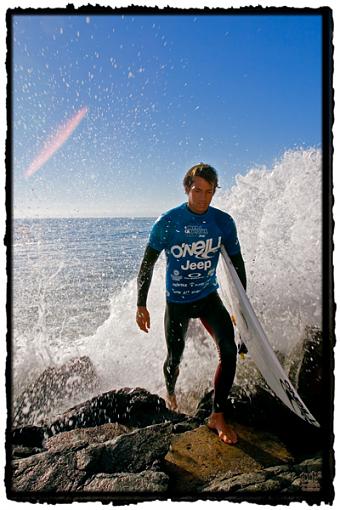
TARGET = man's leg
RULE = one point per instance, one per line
(175, 325)
(217, 321)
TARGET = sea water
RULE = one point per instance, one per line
(74, 282)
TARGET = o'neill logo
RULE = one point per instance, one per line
(201, 249)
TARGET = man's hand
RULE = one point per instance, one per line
(143, 318)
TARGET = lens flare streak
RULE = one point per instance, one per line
(54, 143)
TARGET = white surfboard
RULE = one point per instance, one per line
(256, 341)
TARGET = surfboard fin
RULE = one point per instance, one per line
(242, 349)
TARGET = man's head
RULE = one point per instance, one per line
(203, 170)
(200, 183)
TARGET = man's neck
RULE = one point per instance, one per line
(194, 212)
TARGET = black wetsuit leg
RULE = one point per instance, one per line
(217, 321)
(176, 320)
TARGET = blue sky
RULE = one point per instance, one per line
(163, 93)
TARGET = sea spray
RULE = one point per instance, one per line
(278, 216)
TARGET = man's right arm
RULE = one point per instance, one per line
(143, 284)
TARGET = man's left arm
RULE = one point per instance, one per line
(238, 264)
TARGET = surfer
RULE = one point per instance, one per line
(191, 235)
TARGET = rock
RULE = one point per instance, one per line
(69, 439)
(47, 472)
(55, 388)
(204, 407)
(127, 483)
(199, 455)
(20, 452)
(129, 453)
(76, 466)
(282, 479)
(171, 455)
(306, 370)
(184, 426)
(29, 435)
(132, 407)
(262, 409)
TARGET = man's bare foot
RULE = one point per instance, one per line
(224, 431)
(171, 402)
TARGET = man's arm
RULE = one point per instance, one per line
(238, 264)
(145, 274)
(143, 284)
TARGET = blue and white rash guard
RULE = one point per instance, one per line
(192, 244)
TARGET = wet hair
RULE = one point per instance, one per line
(203, 170)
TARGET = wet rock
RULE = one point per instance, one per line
(306, 370)
(29, 436)
(55, 388)
(132, 407)
(184, 426)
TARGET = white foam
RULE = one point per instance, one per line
(278, 215)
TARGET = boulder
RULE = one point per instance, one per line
(130, 407)
(306, 370)
(96, 435)
(134, 407)
(129, 453)
(73, 467)
(55, 388)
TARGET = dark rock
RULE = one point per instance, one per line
(184, 426)
(20, 452)
(307, 369)
(75, 467)
(129, 453)
(283, 479)
(204, 407)
(29, 435)
(55, 388)
(132, 407)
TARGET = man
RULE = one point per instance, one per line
(192, 235)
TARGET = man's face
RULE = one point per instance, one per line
(200, 195)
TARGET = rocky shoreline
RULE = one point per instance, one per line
(125, 446)
(90, 455)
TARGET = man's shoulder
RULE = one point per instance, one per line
(171, 214)
(220, 215)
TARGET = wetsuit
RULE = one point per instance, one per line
(192, 243)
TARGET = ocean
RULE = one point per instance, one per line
(74, 283)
